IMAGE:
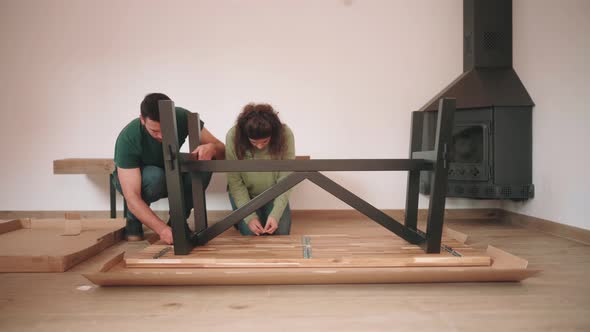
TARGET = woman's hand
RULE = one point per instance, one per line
(271, 225)
(255, 226)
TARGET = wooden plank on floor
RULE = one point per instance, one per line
(322, 251)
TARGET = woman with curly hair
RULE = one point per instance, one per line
(259, 135)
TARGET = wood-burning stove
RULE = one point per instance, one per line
(491, 150)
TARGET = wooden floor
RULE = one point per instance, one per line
(556, 300)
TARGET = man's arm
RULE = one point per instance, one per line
(130, 180)
(210, 147)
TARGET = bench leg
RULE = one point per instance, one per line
(113, 194)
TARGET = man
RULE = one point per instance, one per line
(139, 166)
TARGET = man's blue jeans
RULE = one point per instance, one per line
(153, 188)
(284, 223)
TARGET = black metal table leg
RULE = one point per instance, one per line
(199, 203)
(436, 211)
(413, 186)
(180, 236)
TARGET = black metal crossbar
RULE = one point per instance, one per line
(434, 161)
(315, 165)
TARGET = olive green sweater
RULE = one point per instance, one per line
(244, 186)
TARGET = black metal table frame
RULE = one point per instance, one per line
(435, 161)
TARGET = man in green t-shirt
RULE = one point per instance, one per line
(139, 166)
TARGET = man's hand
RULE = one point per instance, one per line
(271, 225)
(130, 179)
(255, 226)
(166, 235)
(204, 152)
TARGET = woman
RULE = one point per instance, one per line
(259, 135)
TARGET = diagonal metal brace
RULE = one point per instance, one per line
(365, 208)
(254, 204)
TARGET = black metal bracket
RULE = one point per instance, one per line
(432, 161)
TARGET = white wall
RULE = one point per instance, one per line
(344, 74)
(552, 55)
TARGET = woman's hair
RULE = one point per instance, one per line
(257, 121)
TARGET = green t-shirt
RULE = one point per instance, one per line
(135, 147)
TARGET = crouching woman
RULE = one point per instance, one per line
(259, 135)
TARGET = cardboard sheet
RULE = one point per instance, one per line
(39, 245)
(503, 267)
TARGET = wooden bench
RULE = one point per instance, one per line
(91, 166)
(105, 166)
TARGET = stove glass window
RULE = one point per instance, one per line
(467, 144)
